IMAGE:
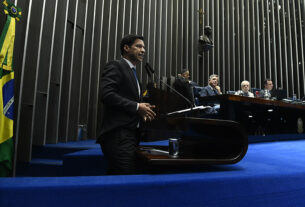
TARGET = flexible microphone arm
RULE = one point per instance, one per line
(148, 68)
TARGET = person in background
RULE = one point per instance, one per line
(122, 108)
(185, 77)
(212, 88)
(245, 87)
(266, 92)
(184, 85)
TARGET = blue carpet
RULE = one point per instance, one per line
(274, 137)
(271, 174)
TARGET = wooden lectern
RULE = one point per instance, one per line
(202, 141)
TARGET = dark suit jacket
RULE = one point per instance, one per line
(183, 87)
(119, 95)
(207, 91)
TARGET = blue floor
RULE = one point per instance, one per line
(271, 174)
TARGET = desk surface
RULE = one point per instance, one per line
(235, 98)
(163, 159)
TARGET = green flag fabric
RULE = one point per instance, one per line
(7, 39)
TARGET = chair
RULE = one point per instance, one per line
(171, 81)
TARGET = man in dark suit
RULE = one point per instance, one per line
(212, 89)
(185, 76)
(122, 108)
(268, 87)
(184, 85)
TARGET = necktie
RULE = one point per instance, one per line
(135, 75)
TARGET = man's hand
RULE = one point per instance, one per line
(146, 112)
(218, 89)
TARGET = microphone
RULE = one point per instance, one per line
(152, 71)
(148, 71)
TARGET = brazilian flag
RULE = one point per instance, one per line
(7, 39)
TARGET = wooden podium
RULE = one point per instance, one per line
(202, 141)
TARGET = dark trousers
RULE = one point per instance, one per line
(119, 148)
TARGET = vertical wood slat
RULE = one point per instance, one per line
(82, 67)
(177, 38)
(165, 34)
(301, 38)
(61, 71)
(285, 72)
(296, 71)
(115, 45)
(252, 39)
(24, 152)
(195, 72)
(50, 72)
(268, 42)
(290, 52)
(258, 60)
(273, 49)
(170, 49)
(238, 36)
(242, 42)
(42, 141)
(182, 37)
(228, 39)
(148, 33)
(223, 53)
(248, 47)
(159, 40)
(95, 116)
(279, 72)
(216, 52)
(212, 63)
(71, 72)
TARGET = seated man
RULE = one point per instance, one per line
(212, 89)
(245, 87)
(185, 77)
(266, 92)
(184, 85)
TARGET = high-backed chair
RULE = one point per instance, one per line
(171, 81)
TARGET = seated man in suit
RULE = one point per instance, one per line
(184, 85)
(185, 77)
(212, 89)
(245, 87)
(266, 92)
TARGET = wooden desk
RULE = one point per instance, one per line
(203, 141)
(269, 116)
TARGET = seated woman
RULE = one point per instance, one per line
(245, 87)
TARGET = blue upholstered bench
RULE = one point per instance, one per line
(90, 162)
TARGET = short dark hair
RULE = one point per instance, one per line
(129, 40)
(184, 70)
(266, 81)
